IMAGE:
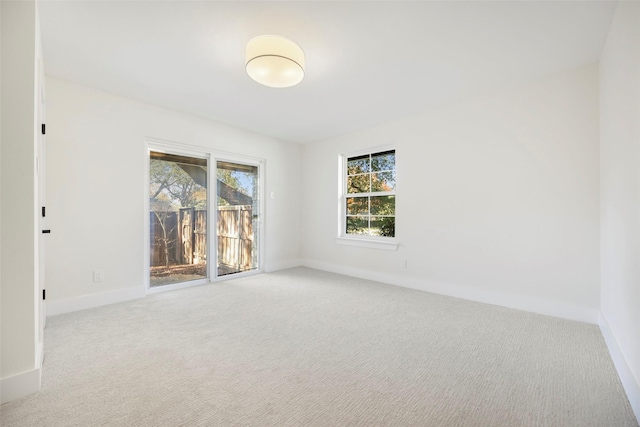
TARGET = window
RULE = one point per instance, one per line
(368, 202)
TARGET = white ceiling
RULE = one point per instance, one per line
(366, 62)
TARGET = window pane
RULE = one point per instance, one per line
(360, 164)
(385, 161)
(358, 183)
(383, 205)
(178, 218)
(357, 225)
(383, 181)
(237, 214)
(383, 226)
(358, 206)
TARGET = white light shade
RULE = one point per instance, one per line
(275, 61)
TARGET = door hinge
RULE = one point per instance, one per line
(43, 128)
(44, 294)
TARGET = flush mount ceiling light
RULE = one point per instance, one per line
(275, 61)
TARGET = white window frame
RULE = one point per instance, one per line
(217, 156)
(373, 242)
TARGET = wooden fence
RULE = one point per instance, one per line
(235, 239)
(183, 234)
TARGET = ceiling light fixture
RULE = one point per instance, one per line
(274, 61)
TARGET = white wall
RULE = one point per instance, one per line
(497, 199)
(96, 156)
(20, 368)
(620, 195)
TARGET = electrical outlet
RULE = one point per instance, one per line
(403, 263)
(98, 276)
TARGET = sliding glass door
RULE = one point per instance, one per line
(201, 209)
(237, 217)
(178, 205)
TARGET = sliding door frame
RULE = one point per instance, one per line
(243, 160)
(212, 157)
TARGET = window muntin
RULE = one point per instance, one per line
(370, 200)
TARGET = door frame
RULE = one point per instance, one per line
(41, 120)
(212, 156)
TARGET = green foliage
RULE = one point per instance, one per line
(383, 161)
(388, 227)
(372, 226)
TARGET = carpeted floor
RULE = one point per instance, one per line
(302, 347)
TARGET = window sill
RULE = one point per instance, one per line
(368, 243)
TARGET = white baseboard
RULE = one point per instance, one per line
(84, 302)
(93, 300)
(519, 302)
(629, 382)
(20, 385)
(282, 265)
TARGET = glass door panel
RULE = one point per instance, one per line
(237, 217)
(178, 218)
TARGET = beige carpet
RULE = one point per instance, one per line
(307, 348)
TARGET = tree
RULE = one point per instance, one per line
(169, 178)
(230, 191)
(163, 213)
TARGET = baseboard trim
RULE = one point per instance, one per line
(519, 302)
(93, 300)
(84, 302)
(282, 265)
(629, 383)
(20, 385)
